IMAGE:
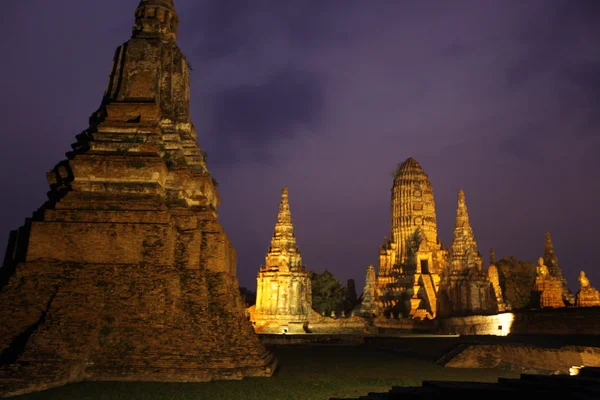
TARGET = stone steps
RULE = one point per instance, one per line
(586, 385)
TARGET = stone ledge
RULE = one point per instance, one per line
(522, 358)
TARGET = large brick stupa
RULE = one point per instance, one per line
(126, 273)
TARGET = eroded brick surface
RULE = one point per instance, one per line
(126, 273)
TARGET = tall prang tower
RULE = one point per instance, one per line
(125, 273)
(411, 260)
(412, 209)
(283, 291)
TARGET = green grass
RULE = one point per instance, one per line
(304, 373)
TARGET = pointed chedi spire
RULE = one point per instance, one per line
(551, 261)
(462, 215)
(156, 18)
(283, 286)
(284, 216)
(465, 288)
(463, 251)
(550, 258)
(284, 251)
(368, 306)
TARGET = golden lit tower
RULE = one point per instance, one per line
(411, 260)
(283, 291)
(413, 209)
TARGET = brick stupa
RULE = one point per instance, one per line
(465, 288)
(126, 273)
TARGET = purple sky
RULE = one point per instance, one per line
(499, 98)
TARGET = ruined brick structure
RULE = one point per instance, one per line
(283, 291)
(548, 289)
(551, 261)
(465, 287)
(126, 273)
(587, 296)
(494, 277)
(412, 259)
(369, 305)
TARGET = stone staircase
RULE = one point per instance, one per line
(428, 286)
(584, 386)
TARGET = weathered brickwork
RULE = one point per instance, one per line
(547, 290)
(126, 273)
(587, 296)
(465, 287)
(411, 260)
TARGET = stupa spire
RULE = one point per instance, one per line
(283, 286)
(284, 250)
(548, 246)
(465, 288)
(462, 215)
(284, 216)
(463, 251)
(156, 18)
(551, 261)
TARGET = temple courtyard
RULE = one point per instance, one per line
(335, 366)
(304, 372)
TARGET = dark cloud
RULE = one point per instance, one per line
(222, 27)
(310, 23)
(225, 27)
(522, 147)
(586, 78)
(253, 117)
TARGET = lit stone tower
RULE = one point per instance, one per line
(413, 210)
(125, 273)
(411, 260)
(465, 287)
(463, 253)
(283, 291)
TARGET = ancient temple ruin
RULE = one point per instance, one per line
(548, 289)
(283, 291)
(551, 261)
(465, 287)
(587, 296)
(411, 261)
(369, 305)
(125, 273)
(494, 277)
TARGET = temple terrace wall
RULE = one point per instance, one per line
(562, 321)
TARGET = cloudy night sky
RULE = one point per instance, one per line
(499, 98)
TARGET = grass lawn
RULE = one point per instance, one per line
(304, 373)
